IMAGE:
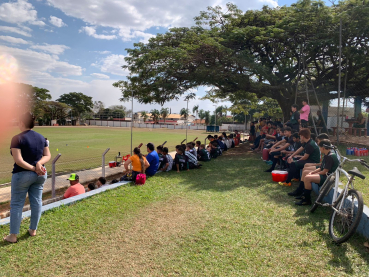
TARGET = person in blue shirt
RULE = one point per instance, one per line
(153, 159)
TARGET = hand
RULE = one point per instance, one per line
(289, 160)
(40, 170)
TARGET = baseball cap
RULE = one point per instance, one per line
(73, 177)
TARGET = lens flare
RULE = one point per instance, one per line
(8, 68)
(10, 104)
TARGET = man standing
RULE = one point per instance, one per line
(295, 117)
(153, 160)
(304, 114)
(75, 187)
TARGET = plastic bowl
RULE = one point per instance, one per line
(279, 175)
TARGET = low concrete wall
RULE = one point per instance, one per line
(363, 227)
(68, 201)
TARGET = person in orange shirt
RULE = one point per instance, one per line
(75, 187)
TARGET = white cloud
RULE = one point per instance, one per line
(112, 64)
(58, 22)
(91, 31)
(34, 63)
(141, 15)
(13, 40)
(100, 76)
(55, 49)
(102, 52)
(16, 30)
(19, 12)
(128, 35)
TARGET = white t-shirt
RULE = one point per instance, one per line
(47, 143)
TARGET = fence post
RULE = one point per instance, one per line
(53, 175)
(103, 161)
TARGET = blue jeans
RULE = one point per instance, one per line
(22, 183)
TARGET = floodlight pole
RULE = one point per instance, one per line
(186, 120)
(339, 83)
(132, 124)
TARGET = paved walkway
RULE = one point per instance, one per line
(61, 180)
(85, 176)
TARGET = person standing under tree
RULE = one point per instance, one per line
(30, 153)
(304, 114)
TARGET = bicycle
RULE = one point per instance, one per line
(348, 206)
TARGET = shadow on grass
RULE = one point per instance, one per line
(239, 168)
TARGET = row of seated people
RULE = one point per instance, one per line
(306, 158)
(187, 157)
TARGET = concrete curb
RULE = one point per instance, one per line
(68, 201)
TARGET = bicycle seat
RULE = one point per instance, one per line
(356, 173)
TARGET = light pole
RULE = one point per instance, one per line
(215, 116)
(186, 120)
(132, 124)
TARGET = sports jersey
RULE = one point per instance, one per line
(182, 161)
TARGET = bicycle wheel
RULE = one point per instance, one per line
(343, 223)
(324, 190)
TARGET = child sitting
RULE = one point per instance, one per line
(329, 165)
(198, 143)
(192, 159)
(163, 160)
(181, 160)
(203, 154)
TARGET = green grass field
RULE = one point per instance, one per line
(82, 147)
(226, 219)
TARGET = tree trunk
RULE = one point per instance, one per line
(286, 107)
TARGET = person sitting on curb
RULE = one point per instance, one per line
(312, 155)
(328, 166)
(181, 160)
(203, 154)
(75, 187)
(91, 186)
(153, 159)
(101, 182)
(139, 163)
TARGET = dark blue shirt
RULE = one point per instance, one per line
(32, 146)
(153, 159)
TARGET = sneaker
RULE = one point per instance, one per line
(269, 162)
(295, 180)
(285, 184)
(303, 202)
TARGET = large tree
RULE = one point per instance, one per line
(262, 52)
(80, 102)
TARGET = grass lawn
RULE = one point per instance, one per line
(82, 147)
(226, 219)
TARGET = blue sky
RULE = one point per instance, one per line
(79, 45)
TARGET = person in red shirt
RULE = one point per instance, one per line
(75, 187)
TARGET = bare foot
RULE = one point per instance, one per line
(31, 232)
(12, 238)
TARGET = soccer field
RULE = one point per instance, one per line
(82, 147)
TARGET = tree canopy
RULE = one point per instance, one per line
(257, 53)
(80, 102)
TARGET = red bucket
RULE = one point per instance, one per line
(112, 164)
(265, 154)
(279, 175)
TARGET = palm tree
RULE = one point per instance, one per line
(155, 114)
(195, 110)
(184, 113)
(201, 114)
(164, 113)
(144, 116)
(207, 117)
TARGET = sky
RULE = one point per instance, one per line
(79, 45)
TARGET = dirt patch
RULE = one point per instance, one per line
(137, 250)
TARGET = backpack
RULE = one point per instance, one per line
(140, 179)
